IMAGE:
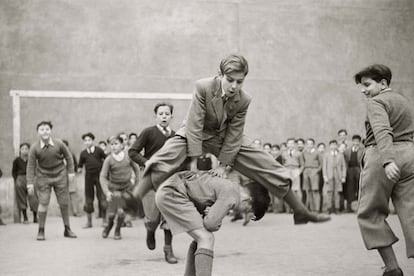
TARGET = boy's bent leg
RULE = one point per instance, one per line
(373, 208)
(261, 167)
(162, 165)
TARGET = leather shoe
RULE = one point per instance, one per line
(151, 240)
(169, 255)
(394, 272)
(68, 233)
(41, 235)
(311, 217)
(117, 235)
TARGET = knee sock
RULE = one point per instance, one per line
(167, 237)
(64, 211)
(24, 214)
(119, 223)
(42, 220)
(203, 259)
(190, 269)
(34, 216)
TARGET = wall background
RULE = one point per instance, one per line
(302, 57)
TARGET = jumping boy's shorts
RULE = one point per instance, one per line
(59, 182)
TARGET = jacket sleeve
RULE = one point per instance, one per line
(195, 122)
(379, 120)
(14, 169)
(234, 136)
(134, 151)
(325, 167)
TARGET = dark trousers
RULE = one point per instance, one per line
(92, 183)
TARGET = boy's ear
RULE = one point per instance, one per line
(384, 83)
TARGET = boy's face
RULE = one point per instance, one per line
(257, 144)
(355, 142)
(132, 139)
(342, 136)
(290, 144)
(321, 148)
(232, 83)
(88, 142)
(44, 132)
(333, 146)
(124, 138)
(301, 146)
(370, 88)
(24, 150)
(309, 144)
(275, 151)
(102, 146)
(116, 146)
(163, 116)
(267, 148)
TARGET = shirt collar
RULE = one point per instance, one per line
(162, 129)
(91, 150)
(386, 90)
(120, 156)
(42, 144)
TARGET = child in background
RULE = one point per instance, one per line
(73, 186)
(334, 175)
(92, 157)
(115, 178)
(104, 146)
(20, 184)
(46, 163)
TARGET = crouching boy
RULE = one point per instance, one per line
(197, 202)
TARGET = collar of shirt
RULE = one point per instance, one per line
(386, 90)
(162, 129)
(312, 150)
(42, 144)
(334, 152)
(119, 157)
(91, 150)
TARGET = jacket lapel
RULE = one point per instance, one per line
(217, 103)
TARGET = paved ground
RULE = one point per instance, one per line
(273, 246)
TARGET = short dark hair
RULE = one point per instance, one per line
(234, 63)
(260, 199)
(291, 139)
(321, 144)
(343, 130)
(267, 144)
(116, 137)
(300, 139)
(158, 105)
(65, 142)
(24, 144)
(276, 146)
(356, 136)
(333, 142)
(311, 139)
(89, 134)
(44, 123)
(377, 72)
(102, 142)
(132, 134)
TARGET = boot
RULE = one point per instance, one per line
(34, 217)
(41, 234)
(394, 272)
(89, 222)
(68, 233)
(118, 227)
(301, 215)
(151, 240)
(25, 219)
(169, 255)
(108, 227)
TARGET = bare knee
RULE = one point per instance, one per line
(204, 238)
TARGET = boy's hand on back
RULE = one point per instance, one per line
(221, 171)
(392, 172)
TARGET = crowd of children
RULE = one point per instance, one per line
(325, 179)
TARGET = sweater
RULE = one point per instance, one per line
(48, 160)
(116, 175)
(390, 119)
(150, 140)
(19, 167)
(92, 161)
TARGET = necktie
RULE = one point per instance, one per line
(290, 153)
(165, 131)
